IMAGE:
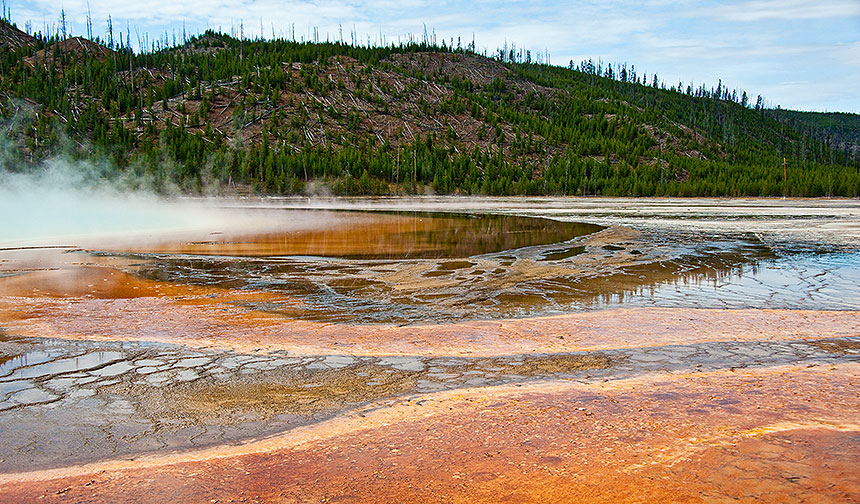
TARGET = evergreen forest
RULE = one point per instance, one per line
(217, 114)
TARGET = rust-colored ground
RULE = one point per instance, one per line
(773, 435)
(106, 304)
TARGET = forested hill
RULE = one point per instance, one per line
(216, 113)
(836, 129)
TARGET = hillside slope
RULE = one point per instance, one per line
(12, 37)
(218, 113)
(838, 129)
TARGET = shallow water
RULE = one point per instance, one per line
(384, 267)
(791, 280)
(383, 235)
(596, 271)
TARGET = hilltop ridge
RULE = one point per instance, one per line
(11, 36)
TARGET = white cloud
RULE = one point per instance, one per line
(848, 53)
(788, 10)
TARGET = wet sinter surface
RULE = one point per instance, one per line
(354, 356)
(774, 434)
(77, 403)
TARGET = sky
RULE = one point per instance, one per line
(802, 55)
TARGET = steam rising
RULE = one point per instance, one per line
(76, 204)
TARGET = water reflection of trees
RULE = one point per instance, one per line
(714, 268)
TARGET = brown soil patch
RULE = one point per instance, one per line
(70, 47)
